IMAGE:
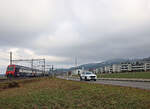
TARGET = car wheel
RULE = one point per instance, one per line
(94, 79)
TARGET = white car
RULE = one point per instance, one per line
(88, 76)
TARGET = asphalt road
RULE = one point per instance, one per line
(141, 85)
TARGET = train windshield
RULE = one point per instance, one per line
(11, 68)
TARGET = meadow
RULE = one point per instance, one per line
(140, 75)
(52, 93)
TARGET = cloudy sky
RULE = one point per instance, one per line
(60, 30)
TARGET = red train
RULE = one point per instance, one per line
(22, 71)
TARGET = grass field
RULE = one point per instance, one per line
(62, 94)
(142, 75)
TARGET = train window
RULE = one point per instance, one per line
(17, 70)
(10, 68)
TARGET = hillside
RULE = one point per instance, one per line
(105, 63)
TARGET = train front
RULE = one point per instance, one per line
(10, 72)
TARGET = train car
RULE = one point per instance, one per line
(22, 71)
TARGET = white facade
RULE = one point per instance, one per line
(116, 68)
(139, 67)
(96, 71)
(126, 67)
(108, 69)
(102, 70)
(77, 71)
(147, 66)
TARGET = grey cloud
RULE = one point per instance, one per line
(90, 30)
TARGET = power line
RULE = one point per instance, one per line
(33, 62)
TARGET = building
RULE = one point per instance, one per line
(116, 68)
(126, 67)
(138, 66)
(96, 71)
(147, 66)
(102, 70)
(77, 71)
(108, 69)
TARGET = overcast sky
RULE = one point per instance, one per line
(60, 30)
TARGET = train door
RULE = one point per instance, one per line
(17, 74)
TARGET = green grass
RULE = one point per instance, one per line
(140, 75)
(62, 94)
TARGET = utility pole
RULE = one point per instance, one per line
(52, 68)
(32, 62)
(52, 71)
(76, 62)
(44, 67)
(32, 65)
(10, 58)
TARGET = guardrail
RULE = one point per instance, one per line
(125, 79)
(118, 79)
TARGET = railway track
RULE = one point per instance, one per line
(12, 79)
(3, 79)
(7, 83)
(8, 79)
(18, 78)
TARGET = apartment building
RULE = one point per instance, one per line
(147, 66)
(108, 69)
(116, 68)
(125, 67)
(102, 70)
(138, 66)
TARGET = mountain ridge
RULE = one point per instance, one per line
(91, 66)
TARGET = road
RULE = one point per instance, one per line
(141, 85)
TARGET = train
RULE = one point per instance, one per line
(22, 71)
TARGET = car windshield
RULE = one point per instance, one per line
(88, 73)
(10, 68)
